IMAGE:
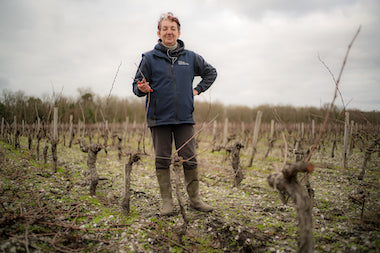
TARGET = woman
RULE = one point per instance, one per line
(165, 76)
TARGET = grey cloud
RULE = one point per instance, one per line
(255, 9)
(259, 46)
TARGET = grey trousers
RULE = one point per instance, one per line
(163, 144)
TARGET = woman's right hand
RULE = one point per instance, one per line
(144, 86)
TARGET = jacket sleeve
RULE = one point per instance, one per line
(206, 72)
(144, 67)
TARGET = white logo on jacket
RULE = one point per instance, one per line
(182, 63)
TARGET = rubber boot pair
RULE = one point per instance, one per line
(192, 187)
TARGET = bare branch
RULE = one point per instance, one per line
(323, 129)
(114, 79)
(140, 71)
(333, 77)
(192, 137)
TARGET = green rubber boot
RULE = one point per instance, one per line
(192, 187)
(163, 176)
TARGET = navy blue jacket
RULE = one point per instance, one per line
(170, 74)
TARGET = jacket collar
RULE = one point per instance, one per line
(162, 49)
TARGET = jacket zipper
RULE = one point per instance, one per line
(173, 60)
(175, 92)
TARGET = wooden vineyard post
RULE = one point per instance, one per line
(271, 138)
(63, 128)
(242, 126)
(16, 133)
(78, 128)
(30, 136)
(125, 130)
(55, 123)
(71, 132)
(119, 147)
(272, 128)
(2, 127)
(133, 158)
(106, 137)
(225, 132)
(255, 137)
(333, 148)
(45, 151)
(39, 137)
(214, 131)
(351, 138)
(98, 132)
(83, 126)
(54, 140)
(344, 152)
(134, 126)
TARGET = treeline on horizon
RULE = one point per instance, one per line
(92, 108)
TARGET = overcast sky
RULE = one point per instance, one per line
(265, 52)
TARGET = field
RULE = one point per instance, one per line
(46, 211)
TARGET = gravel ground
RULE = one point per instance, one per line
(42, 211)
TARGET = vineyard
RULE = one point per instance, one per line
(80, 187)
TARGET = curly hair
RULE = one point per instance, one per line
(168, 16)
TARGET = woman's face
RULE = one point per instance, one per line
(169, 32)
